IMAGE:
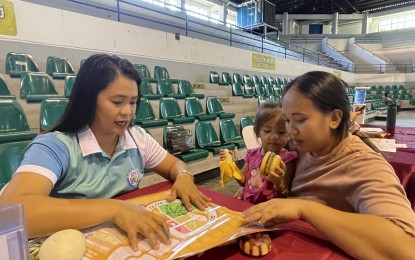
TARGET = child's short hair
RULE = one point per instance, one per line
(266, 112)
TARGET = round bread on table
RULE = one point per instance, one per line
(258, 244)
(270, 162)
(69, 244)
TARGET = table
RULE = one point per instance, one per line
(287, 245)
(403, 161)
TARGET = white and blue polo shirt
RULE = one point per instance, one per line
(78, 168)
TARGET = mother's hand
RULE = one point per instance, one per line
(135, 219)
(274, 211)
(185, 188)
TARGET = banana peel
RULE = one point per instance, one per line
(229, 170)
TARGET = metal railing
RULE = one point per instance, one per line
(232, 36)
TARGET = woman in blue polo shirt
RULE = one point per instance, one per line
(69, 174)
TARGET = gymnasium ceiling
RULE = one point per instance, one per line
(332, 6)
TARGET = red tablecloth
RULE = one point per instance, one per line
(300, 241)
(403, 161)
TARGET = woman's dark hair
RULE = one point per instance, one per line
(266, 112)
(327, 93)
(95, 74)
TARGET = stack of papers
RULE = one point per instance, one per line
(386, 145)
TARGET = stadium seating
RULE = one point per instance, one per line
(58, 67)
(68, 85)
(145, 115)
(229, 133)
(207, 138)
(193, 108)
(170, 110)
(18, 64)
(51, 111)
(13, 122)
(166, 89)
(4, 89)
(11, 155)
(185, 88)
(35, 87)
(146, 90)
(213, 106)
(144, 72)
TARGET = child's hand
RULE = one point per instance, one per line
(226, 154)
(276, 175)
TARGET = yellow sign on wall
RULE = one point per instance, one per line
(262, 61)
(7, 18)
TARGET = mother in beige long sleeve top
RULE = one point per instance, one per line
(342, 187)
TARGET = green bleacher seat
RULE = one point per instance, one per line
(245, 121)
(229, 133)
(162, 73)
(146, 90)
(237, 78)
(11, 155)
(401, 87)
(194, 154)
(51, 111)
(4, 89)
(68, 85)
(214, 78)
(237, 90)
(144, 72)
(185, 88)
(170, 110)
(193, 108)
(264, 80)
(247, 80)
(166, 89)
(145, 115)
(207, 138)
(58, 67)
(272, 81)
(13, 122)
(213, 106)
(260, 90)
(226, 78)
(20, 63)
(35, 87)
(249, 90)
(269, 90)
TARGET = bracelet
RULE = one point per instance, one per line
(186, 171)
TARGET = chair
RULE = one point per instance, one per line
(192, 155)
(68, 85)
(4, 90)
(247, 80)
(20, 63)
(213, 106)
(260, 90)
(214, 78)
(166, 89)
(11, 155)
(237, 90)
(185, 88)
(13, 122)
(170, 110)
(51, 111)
(245, 121)
(162, 73)
(145, 116)
(146, 90)
(207, 138)
(272, 81)
(264, 80)
(194, 108)
(58, 67)
(237, 78)
(226, 78)
(35, 87)
(144, 72)
(274, 99)
(229, 133)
